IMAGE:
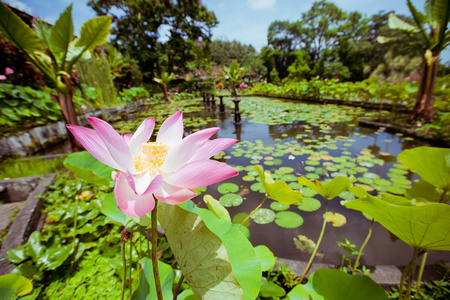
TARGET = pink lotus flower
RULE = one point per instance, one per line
(9, 71)
(167, 169)
(3, 77)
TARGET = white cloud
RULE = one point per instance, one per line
(21, 6)
(261, 4)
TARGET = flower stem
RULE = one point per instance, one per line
(124, 264)
(253, 211)
(308, 266)
(422, 267)
(369, 234)
(177, 288)
(443, 196)
(131, 266)
(155, 251)
(412, 272)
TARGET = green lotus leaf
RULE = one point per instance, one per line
(111, 211)
(228, 187)
(278, 190)
(266, 258)
(270, 289)
(216, 208)
(14, 286)
(216, 258)
(229, 200)
(146, 289)
(278, 206)
(328, 190)
(263, 216)
(432, 164)
(89, 168)
(329, 284)
(423, 191)
(423, 226)
(288, 219)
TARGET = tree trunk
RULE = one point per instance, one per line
(423, 109)
(166, 93)
(233, 89)
(70, 117)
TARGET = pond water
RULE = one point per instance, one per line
(292, 139)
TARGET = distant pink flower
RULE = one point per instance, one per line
(337, 79)
(167, 169)
(9, 71)
(326, 79)
(3, 77)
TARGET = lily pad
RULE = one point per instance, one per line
(278, 206)
(263, 216)
(288, 219)
(309, 204)
(228, 187)
(336, 219)
(229, 200)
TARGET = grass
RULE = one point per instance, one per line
(16, 167)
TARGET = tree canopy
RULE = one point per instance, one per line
(161, 35)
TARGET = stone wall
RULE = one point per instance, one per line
(39, 138)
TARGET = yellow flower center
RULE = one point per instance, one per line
(151, 157)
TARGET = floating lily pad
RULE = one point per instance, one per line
(309, 204)
(263, 216)
(286, 170)
(278, 206)
(309, 169)
(401, 181)
(248, 178)
(257, 187)
(228, 187)
(288, 177)
(336, 219)
(288, 219)
(295, 185)
(397, 190)
(229, 200)
(312, 176)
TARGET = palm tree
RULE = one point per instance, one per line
(234, 73)
(430, 44)
(164, 81)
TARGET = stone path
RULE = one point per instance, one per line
(6, 211)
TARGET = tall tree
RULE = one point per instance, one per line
(160, 34)
(430, 44)
(55, 50)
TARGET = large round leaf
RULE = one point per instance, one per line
(432, 164)
(423, 226)
(13, 286)
(89, 168)
(216, 258)
(328, 284)
(288, 219)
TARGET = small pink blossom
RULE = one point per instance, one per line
(337, 79)
(3, 77)
(326, 79)
(318, 76)
(9, 71)
(167, 169)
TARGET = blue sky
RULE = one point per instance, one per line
(246, 21)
